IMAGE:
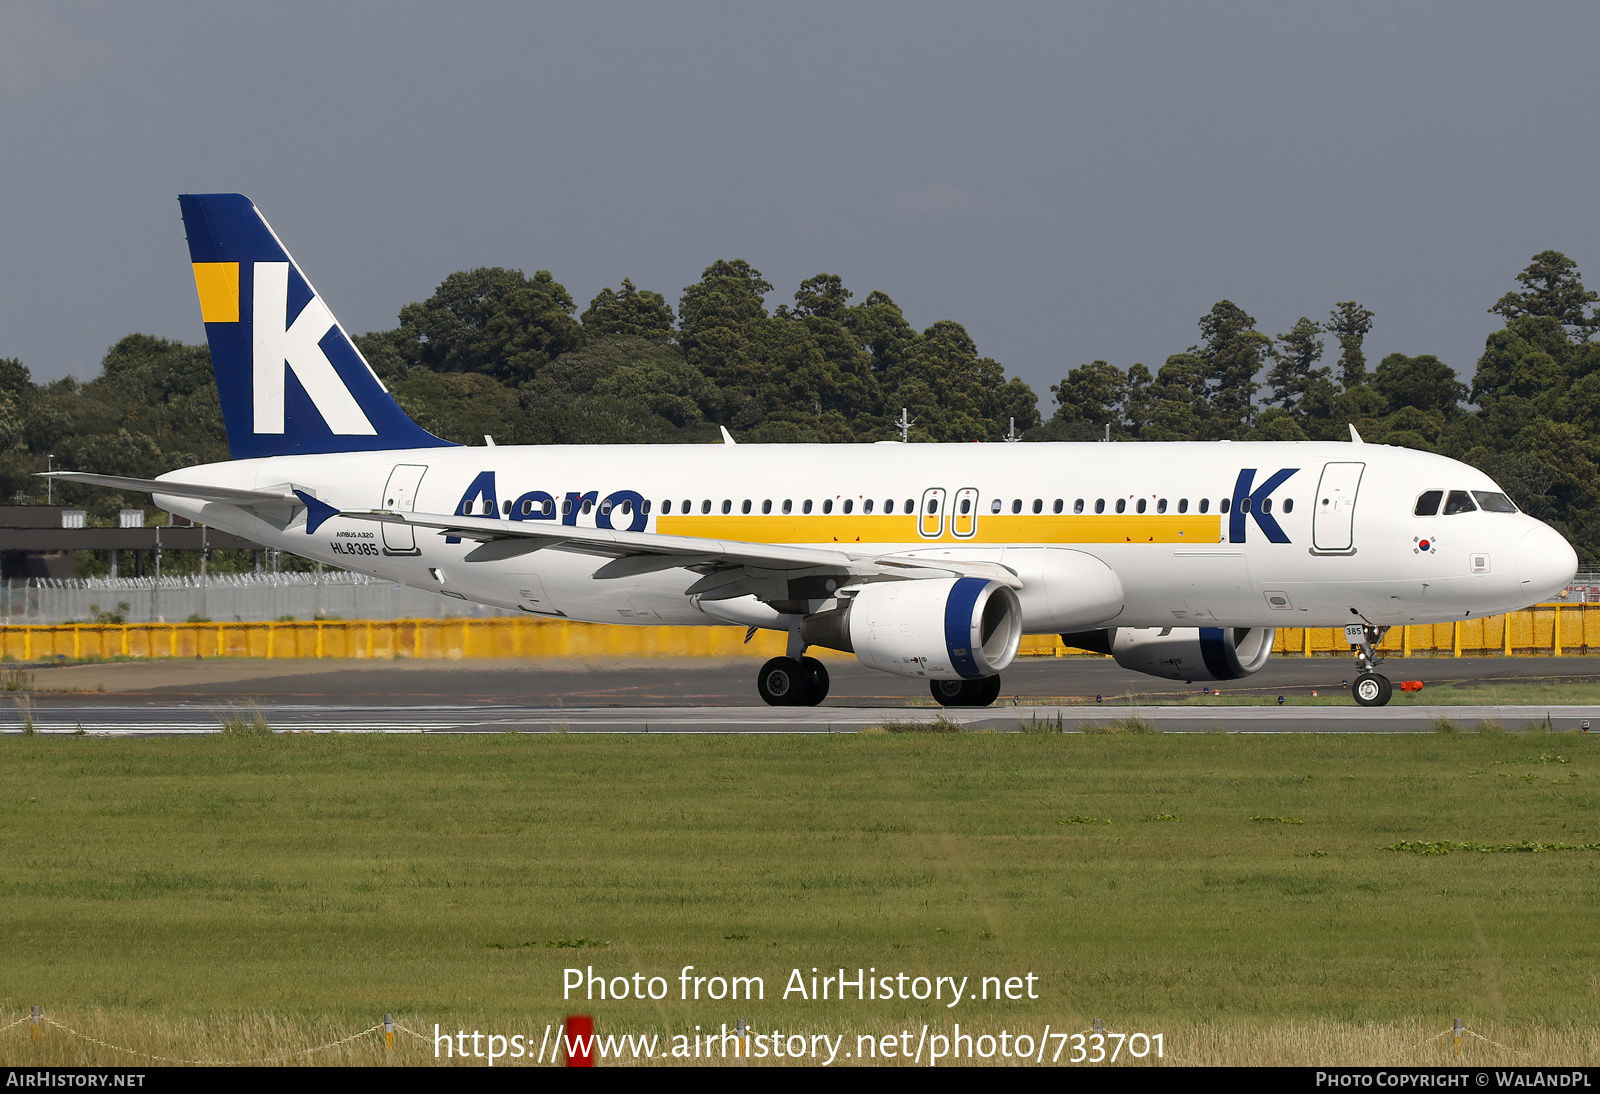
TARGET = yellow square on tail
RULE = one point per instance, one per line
(218, 285)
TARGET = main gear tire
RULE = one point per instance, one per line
(783, 682)
(965, 693)
(816, 677)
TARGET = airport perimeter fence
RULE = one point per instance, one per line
(1543, 630)
(236, 598)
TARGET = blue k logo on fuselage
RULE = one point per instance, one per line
(1249, 503)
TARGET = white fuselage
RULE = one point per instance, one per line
(1347, 546)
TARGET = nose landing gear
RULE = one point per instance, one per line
(1370, 689)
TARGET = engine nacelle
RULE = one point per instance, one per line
(961, 628)
(1182, 653)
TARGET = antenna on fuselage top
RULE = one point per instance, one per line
(905, 423)
(1012, 436)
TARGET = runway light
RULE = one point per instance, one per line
(1586, 725)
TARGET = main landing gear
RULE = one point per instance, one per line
(793, 682)
(1370, 689)
(965, 693)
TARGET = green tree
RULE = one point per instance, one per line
(1294, 364)
(629, 311)
(1232, 353)
(1424, 383)
(1094, 393)
(719, 323)
(441, 331)
(533, 326)
(1553, 287)
(1176, 404)
(1350, 324)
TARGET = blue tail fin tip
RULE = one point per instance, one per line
(289, 377)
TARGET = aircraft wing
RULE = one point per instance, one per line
(227, 494)
(728, 565)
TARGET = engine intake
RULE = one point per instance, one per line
(963, 628)
(1182, 653)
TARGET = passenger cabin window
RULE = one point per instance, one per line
(705, 506)
(1492, 501)
(1122, 505)
(1161, 506)
(727, 506)
(933, 505)
(1077, 506)
(966, 506)
(995, 505)
(1140, 505)
(849, 504)
(1183, 505)
(806, 506)
(1266, 505)
(744, 506)
(1056, 508)
(647, 507)
(1459, 501)
(909, 507)
(1205, 505)
(1016, 505)
(1222, 506)
(1428, 503)
(866, 506)
(788, 506)
(1288, 505)
(766, 506)
(1099, 505)
(827, 505)
(1038, 505)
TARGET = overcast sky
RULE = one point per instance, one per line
(1070, 181)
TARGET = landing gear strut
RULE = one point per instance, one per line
(1370, 689)
(965, 693)
(793, 682)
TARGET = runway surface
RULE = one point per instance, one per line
(697, 696)
(187, 718)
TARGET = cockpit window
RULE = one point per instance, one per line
(1492, 501)
(1428, 503)
(1459, 501)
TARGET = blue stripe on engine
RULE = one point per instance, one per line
(958, 609)
(1214, 651)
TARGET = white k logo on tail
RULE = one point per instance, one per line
(277, 343)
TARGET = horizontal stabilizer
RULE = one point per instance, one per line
(197, 491)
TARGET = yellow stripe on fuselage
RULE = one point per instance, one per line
(991, 529)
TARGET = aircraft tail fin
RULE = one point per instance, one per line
(290, 379)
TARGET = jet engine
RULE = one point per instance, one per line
(1182, 653)
(963, 628)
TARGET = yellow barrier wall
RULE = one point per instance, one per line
(1544, 630)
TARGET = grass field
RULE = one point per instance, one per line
(237, 896)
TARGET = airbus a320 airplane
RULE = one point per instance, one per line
(924, 560)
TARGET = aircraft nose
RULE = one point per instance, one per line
(1546, 563)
